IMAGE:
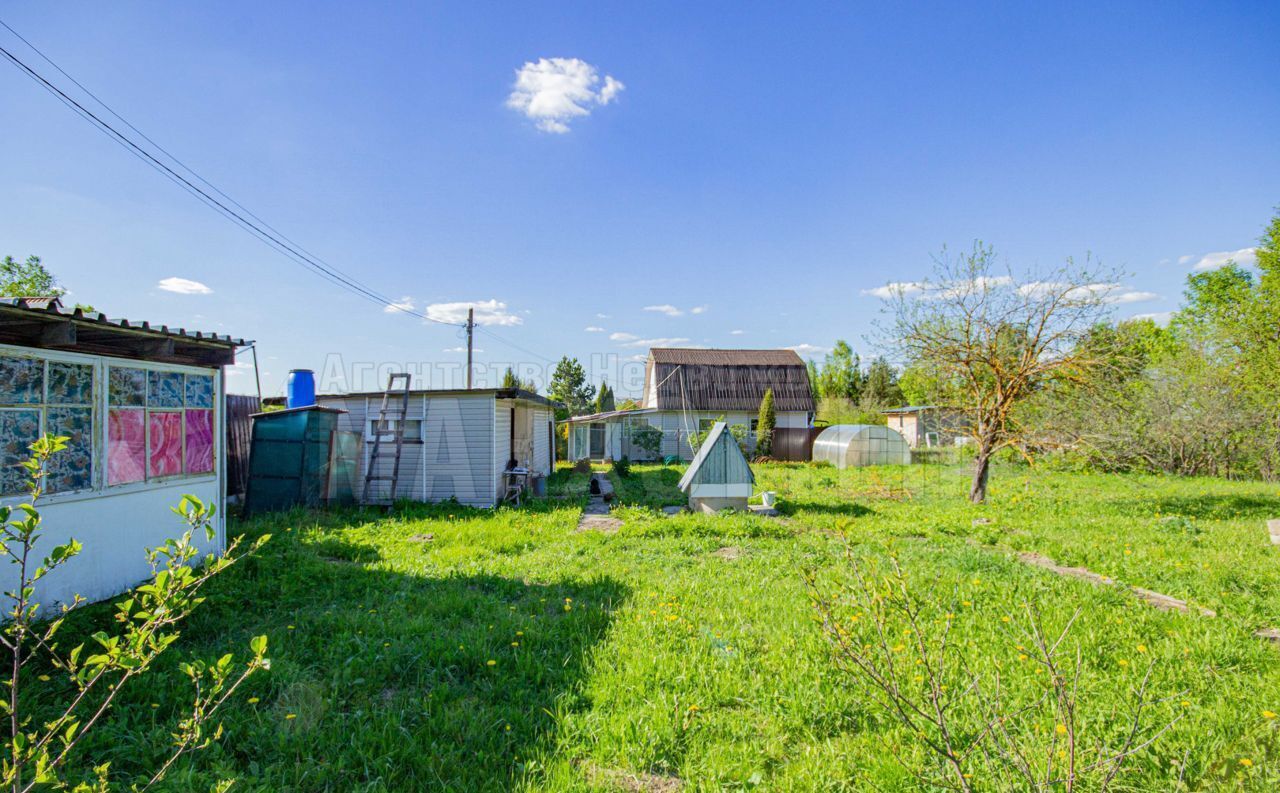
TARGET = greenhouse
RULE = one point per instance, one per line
(852, 445)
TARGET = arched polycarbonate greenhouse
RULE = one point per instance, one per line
(850, 445)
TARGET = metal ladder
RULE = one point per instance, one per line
(382, 430)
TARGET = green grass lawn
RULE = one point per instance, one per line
(509, 651)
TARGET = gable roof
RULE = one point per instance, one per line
(722, 448)
(705, 379)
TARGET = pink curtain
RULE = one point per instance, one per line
(166, 444)
(199, 441)
(126, 446)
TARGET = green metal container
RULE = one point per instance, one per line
(291, 460)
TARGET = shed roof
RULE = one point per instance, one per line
(497, 393)
(608, 414)
(43, 323)
(719, 451)
(705, 379)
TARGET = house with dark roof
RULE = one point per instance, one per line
(687, 390)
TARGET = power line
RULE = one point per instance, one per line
(264, 232)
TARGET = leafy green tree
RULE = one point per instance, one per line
(841, 373)
(815, 381)
(1004, 337)
(880, 389)
(569, 387)
(604, 398)
(511, 380)
(27, 279)
(765, 422)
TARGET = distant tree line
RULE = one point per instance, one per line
(1041, 370)
(847, 393)
(1200, 395)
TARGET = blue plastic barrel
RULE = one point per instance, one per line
(302, 388)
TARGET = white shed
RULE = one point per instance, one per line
(143, 408)
(458, 442)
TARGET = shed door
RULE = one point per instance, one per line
(597, 441)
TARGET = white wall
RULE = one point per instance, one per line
(114, 530)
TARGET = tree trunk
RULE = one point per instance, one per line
(981, 470)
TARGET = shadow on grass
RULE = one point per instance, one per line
(1207, 506)
(380, 679)
(791, 508)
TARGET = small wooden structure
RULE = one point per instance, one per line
(719, 476)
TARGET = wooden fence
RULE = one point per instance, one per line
(239, 438)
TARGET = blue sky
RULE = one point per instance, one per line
(759, 168)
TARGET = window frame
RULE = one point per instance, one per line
(101, 365)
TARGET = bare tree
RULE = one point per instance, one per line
(997, 338)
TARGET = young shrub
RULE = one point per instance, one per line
(39, 749)
(648, 438)
(622, 467)
(764, 425)
(738, 431)
(978, 723)
(582, 467)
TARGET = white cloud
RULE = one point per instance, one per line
(926, 291)
(488, 312)
(808, 349)
(183, 286)
(1126, 295)
(397, 306)
(1106, 292)
(1159, 317)
(665, 308)
(461, 349)
(622, 336)
(664, 342)
(551, 92)
(1245, 257)
(593, 329)
(676, 311)
(1186, 259)
(736, 332)
(604, 316)
(894, 289)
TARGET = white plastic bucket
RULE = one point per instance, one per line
(769, 498)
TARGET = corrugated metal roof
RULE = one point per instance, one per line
(713, 357)
(608, 414)
(44, 307)
(724, 380)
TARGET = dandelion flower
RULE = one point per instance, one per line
(1142, 648)
(290, 716)
(253, 700)
(1246, 762)
(1062, 729)
(491, 662)
(1268, 714)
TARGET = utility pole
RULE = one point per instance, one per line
(471, 327)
